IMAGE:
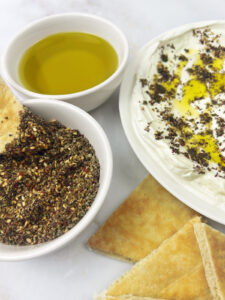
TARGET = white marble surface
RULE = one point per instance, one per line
(74, 273)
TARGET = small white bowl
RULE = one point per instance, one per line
(32, 33)
(76, 118)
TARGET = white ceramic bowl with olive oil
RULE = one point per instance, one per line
(75, 118)
(75, 57)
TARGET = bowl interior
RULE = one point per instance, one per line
(76, 118)
(54, 24)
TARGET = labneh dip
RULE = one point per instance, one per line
(178, 108)
(49, 177)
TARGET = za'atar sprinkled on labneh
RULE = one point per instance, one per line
(178, 107)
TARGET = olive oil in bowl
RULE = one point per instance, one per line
(66, 63)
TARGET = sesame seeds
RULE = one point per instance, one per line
(49, 178)
(185, 101)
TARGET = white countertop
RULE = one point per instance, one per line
(75, 273)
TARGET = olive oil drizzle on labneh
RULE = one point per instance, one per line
(189, 129)
(49, 177)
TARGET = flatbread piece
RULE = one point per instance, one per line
(143, 221)
(174, 258)
(191, 286)
(212, 247)
(128, 297)
(10, 109)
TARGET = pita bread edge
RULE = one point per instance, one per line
(210, 272)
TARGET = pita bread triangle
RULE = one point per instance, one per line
(128, 297)
(212, 247)
(174, 258)
(14, 118)
(123, 297)
(143, 221)
(191, 286)
(10, 110)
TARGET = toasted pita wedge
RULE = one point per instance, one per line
(10, 109)
(174, 258)
(191, 286)
(123, 297)
(13, 121)
(146, 218)
(212, 247)
(127, 297)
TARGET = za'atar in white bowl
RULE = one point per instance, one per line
(74, 118)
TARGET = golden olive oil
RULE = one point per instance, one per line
(67, 62)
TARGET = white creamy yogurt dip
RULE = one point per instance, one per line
(196, 72)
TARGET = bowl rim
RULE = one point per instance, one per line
(95, 88)
(55, 244)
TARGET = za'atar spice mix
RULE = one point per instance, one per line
(49, 177)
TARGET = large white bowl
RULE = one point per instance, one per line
(79, 22)
(76, 118)
(161, 172)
